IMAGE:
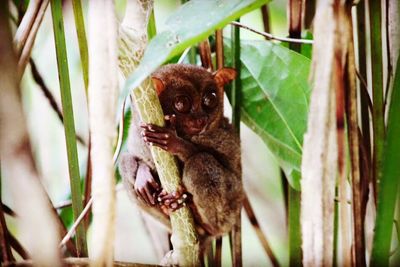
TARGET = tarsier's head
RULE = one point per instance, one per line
(193, 94)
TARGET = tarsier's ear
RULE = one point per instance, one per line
(224, 76)
(158, 85)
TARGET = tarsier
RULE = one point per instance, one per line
(207, 148)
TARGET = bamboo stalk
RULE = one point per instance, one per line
(103, 98)
(36, 223)
(69, 124)
(27, 48)
(82, 42)
(353, 137)
(294, 199)
(320, 172)
(24, 28)
(389, 185)
(184, 238)
(377, 89)
(236, 92)
(364, 96)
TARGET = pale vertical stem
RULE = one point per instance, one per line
(36, 224)
(319, 172)
(25, 26)
(26, 49)
(132, 41)
(354, 143)
(103, 95)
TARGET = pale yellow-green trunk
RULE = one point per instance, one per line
(103, 95)
(133, 39)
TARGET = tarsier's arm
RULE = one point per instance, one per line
(211, 173)
(137, 162)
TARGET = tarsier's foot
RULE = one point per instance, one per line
(170, 202)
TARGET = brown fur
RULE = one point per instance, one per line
(211, 170)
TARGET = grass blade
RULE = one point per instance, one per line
(377, 88)
(69, 124)
(294, 226)
(82, 41)
(236, 233)
(389, 183)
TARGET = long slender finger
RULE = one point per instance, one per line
(155, 141)
(149, 195)
(143, 195)
(153, 127)
(154, 184)
(163, 136)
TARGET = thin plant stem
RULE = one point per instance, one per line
(205, 55)
(219, 49)
(266, 18)
(151, 27)
(82, 41)
(5, 247)
(69, 124)
(218, 252)
(353, 137)
(377, 89)
(309, 12)
(389, 184)
(365, 101)
(236, 92)
(272, 37)
(52, 101)
(294, 197)
(27, 48)
(261, 236)
(16, 245)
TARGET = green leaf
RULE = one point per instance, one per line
(275, 100)
(389, 184)
(190, 24)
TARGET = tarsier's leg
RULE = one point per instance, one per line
(215, 191)
(136, 162)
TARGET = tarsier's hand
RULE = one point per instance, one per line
(146, 187)
(167, 138)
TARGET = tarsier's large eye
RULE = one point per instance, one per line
(182, 103)
(210, 100)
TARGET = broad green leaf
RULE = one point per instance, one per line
(191, 23)
(275, 100)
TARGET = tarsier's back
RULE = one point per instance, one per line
(200, 137)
